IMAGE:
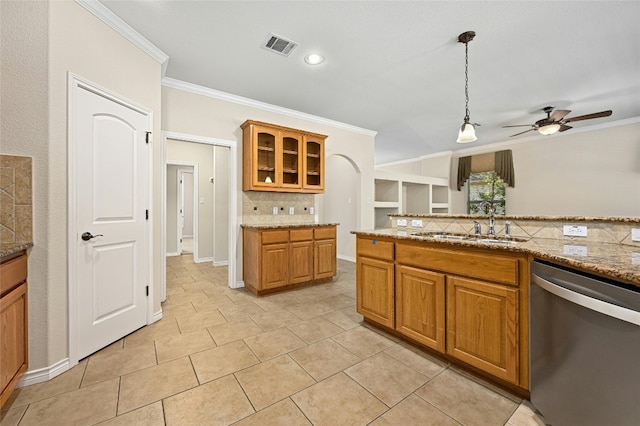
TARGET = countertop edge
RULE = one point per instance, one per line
(7, 250)
(294, 225)
(524, 217)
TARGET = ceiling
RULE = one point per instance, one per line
(397, 68)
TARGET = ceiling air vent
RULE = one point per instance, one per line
(279, 45)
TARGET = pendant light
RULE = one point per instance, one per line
(467, 131)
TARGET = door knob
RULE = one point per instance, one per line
(86, 236)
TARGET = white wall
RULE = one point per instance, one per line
(41, 43)
(172, 208)
(196, 114)
(590, 173)
(221, 205)
(187, 203)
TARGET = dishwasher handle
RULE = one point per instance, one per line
(618, 312)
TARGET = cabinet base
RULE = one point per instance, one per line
(466, 368)
(288, 287)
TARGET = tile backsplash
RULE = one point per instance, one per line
(16, 205)
(257, 208)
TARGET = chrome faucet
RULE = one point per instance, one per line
(507, 229)
(492, 218)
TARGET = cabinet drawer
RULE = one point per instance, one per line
(375, 248)
(491, 267)
(13, 273)
(305, 234)
(272, 237)
(327, 233)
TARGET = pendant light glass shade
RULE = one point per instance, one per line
(549, 129)
(467, 133)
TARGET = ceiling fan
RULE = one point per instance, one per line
(556, 122)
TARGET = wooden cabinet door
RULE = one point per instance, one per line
(313, 164)
(420, 312)
(482, 326)
(301, 262)
(291, 160)
(324, 265)
(13, 339)
(275, 265)
(375, 290)
(263, 158)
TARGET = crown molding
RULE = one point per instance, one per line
(101, 12)
(228, 97)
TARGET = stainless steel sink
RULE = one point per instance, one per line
(483, 239)
(496, 241)
(441, 235)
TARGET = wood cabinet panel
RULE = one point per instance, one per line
(272, 237)
(276, 258)
(301, 265)
(375, 290)
(325, 233)
(482, 326)
(12, 273)
(304, 234)
(420, 312)
(467, 261)
(376, 249)
(324, 262)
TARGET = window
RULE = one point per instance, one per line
(485, 186)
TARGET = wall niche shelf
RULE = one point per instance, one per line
(399, 193)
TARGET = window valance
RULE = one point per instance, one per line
(500, 161)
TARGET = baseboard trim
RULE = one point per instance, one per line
(43, 374)
(221, 263)
(239, 284)
(204, 260)
(347, 258)
(157, 316)
(173, 253)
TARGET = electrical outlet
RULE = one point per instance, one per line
(574, 230)
(402, 222)
(635, 258)
(635, 234)
(575, 250)
(416, 223)
(275, 210)
(401, 233)
(312, 210)
(291, 210)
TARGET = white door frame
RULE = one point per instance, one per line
(196, 190)
(76, 83)
(234, 230)
(194, 211)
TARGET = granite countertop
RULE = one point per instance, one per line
(283, 225)
(8, 249)
(524, 217)
(616, 261)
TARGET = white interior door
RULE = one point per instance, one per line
(112, 180)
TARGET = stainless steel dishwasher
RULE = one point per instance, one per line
(584, 348)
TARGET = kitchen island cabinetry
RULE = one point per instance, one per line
(467, 303)
(280, 257)
(14, 353)
(281, 159)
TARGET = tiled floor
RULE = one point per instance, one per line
(221, 356)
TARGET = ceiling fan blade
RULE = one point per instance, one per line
(564, 127)
(530, 130)
(558, 114)
(589, 116)
(518, 125)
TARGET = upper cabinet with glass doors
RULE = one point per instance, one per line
(281, 159)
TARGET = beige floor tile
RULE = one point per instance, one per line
(85, 406)
(363, 342)
(414, 411)
(199, 321)
(212, 303)
(103, 366)
(467, 401)
(284, 412)
(179, 299)
(66, 382)
(338, 400)
(420, 361)
(274, 343)
(179, 345)
(307, 311)
(215, 363)
(155, 383)
(220, 402)
(339, 301)
(324, 359)
(275, 319)
(164, 327)
(387, 378)
(525, 415)
(149, 415)
(341, 320)
(235, 312)
(272, 381)
(172, 311)
(315, 329)
(11, 416)
(228, 332)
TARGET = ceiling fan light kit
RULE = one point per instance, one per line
(467, 131)
(557, 122)
(549, 129)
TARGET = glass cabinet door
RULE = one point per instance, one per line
(291, 160)
(264, 163)
(313, 164)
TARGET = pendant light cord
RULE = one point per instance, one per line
(466, 82)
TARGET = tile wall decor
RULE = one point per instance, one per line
(257, 208)
(16, 205)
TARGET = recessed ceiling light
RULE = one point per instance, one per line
(313, 59)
